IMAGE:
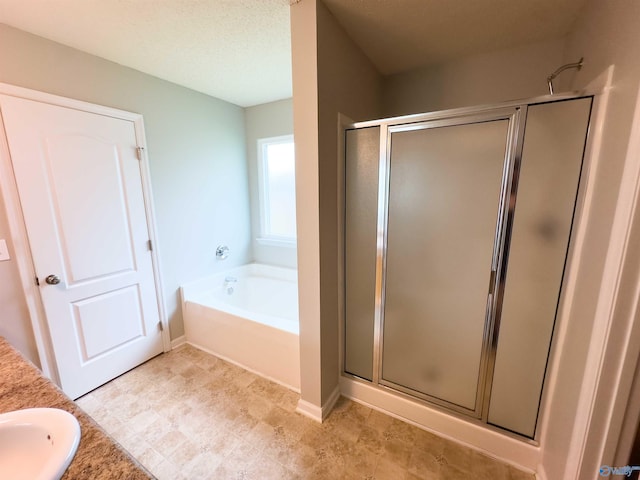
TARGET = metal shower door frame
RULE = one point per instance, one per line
(516, 116)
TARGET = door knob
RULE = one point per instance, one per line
(52, 280)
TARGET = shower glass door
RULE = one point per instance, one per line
(457, 232)
(444, 215)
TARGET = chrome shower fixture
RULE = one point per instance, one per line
(222, 252)
(577, 65)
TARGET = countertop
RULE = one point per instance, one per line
(98, 455)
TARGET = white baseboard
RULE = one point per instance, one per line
(319, 414)
(518, 453)
(330, 403)
(178, 342)
(309, 410)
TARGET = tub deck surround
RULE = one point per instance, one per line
(247, 316)
(98, 456)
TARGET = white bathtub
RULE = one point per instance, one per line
(255, 325)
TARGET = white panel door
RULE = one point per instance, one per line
(80, 188)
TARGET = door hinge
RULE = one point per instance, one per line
(149, 245)
(37, 281)
(160, 326)
(139, 151)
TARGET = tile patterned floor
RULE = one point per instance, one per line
(189, 415)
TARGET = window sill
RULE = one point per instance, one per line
(273, 242)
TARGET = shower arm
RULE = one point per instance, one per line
(577, 65)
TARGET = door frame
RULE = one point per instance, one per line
(18, 231)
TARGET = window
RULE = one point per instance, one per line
(276, 180)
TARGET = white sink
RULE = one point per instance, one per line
(37, 443)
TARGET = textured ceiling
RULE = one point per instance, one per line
(240, 50)
(400, 35)
(236, 50)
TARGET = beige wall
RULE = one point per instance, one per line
(15, 325)
(330, 75)
(196, 147)
(262, 121)
(305, 128)
(605, 34)
(511, 74)
(349, 84)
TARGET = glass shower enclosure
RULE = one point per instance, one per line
(457, 228)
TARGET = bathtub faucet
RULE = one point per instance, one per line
(229, 284)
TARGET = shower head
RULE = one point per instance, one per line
(577, 65)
